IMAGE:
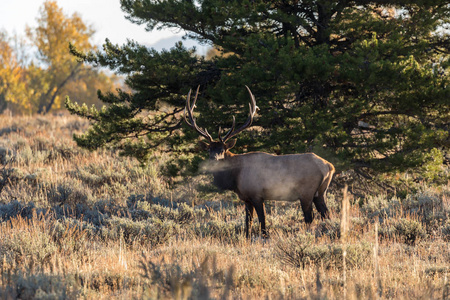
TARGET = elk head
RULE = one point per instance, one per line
(218, 149)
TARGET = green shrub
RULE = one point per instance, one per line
(406, 230)
(446, 231)
(70, 192)
(422, 202)
(28, 241)
(170, 281)
(60, 153)
(329, 228)
(409, 230)
(28, 156)
(435, 220)
(380, 206)
(228, 232)
(153, 231)
(6, 155)
(181, 213)
(70, 236)
(23, 285)
(303, 251)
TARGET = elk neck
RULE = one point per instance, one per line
(226, 177)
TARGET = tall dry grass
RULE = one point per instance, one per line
(79, 224)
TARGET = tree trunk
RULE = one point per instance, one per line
(43, 108)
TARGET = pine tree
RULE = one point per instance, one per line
(365, 84)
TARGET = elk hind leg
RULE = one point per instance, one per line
(321, 207)
(319, 198)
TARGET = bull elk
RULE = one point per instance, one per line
(258, 176)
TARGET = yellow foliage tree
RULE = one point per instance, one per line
(40, 85)
(52, 36)
(57, 72)
(13, 78)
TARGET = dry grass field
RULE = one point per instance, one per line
(79, 224)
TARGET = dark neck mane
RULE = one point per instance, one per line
(226, 178)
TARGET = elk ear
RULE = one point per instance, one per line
(203, 145)
(230, 144)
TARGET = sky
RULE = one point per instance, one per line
(105, 16)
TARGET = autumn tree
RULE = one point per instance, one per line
(13, 76)
(52, 37)
(56, 73)
(37, 84)
(364, 84)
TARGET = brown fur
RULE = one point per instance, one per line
(259, 176)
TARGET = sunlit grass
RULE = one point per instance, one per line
(79, 224)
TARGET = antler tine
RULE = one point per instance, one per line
(253, 108)
(191, 122)
(188, 104)
(225, 138)
(220, 137)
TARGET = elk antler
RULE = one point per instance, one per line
(232, 132)
(191, 122)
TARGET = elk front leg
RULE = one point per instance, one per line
(249, 208)
(261, 211)
(307, 211)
